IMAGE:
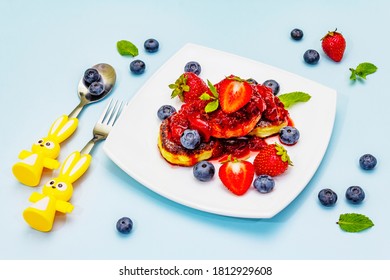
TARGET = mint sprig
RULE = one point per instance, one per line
(352, 222)
(125, 47)
(362, 70)
(289, 99)
(214, 103)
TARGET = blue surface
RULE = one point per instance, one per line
(45, 48)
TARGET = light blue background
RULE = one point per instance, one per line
(45, 46)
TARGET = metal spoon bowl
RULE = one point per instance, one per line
(108, 78)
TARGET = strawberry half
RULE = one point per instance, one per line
(237, 175)
(188, 87)
(272, 160)
(333, 44)
(234, 93)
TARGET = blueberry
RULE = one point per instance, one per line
(264, 183)
(91, 75)
(355, 194)
(272, 84)
(124, 225)
(193, 67)
(96, 88)
(252, 81)
(137, 66)
(367, 161)
(204, 171)
(327, 197)
(296, 34)
(289, 135)
(165, 112)
(190, 139)
(311, 56)
(151, 45)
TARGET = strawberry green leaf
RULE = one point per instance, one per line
(289, 99)
(212, 106)
(126, 48)
(352, 222)
(281, 151)
(362, 70)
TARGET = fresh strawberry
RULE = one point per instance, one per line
(237, 175)
(272, 160)
(234, 93)
(333, 44)
(188, 87)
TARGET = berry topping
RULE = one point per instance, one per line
(311, 56)
(137, 66)
(355, 194)
(367, 161)
(204, 171)
(190, 139)
(91, 75)
(165, 111)
(289, 135)
(151, 45)
(296, 34)
(333, 44)
(272, 84)
(327, 197)
(96, 88)
(272, 160)
(193, 67)
(264, 183)
(124, 225)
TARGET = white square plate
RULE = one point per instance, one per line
(132, 143)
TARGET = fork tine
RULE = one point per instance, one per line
(116, 110)
(105, 112)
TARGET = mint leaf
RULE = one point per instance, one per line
(352, 222)
(289, 99)
(212, 89)
(126, 48)
(211, 106)
(205, 97)
(362, 70)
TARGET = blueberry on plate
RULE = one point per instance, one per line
(355, 194)
(296, 34)
(327, 197)
(193, 67)
(96, 88)
(204, 171)
(252, 81)
(289, 135)
(151, 45)
(190, 139)
(264, 183)
(367, 161)
(124, 225)
(137, 66)
(272, 84)
(165, 111)
(311, 56)
(91, 75)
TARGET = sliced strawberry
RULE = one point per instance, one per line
(234, 93)
(237, 176)
(272, 160)
(188, 87)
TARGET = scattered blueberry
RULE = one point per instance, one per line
(296, 34)
(137, 66)
(311, 56)
(272, 84)
(165, 111)
(264, 183)
(252, 81)
(355, 194)
(91, 75)
(367, 161)
(204, 171)
(124, 225)
(96, 88)
(193, 67)
(327, 197)
(151, 45)
(190, 139)
(289, 135)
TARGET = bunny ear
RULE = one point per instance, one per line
(74, 166)
(62, 128)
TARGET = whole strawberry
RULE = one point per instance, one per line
(333, 44)
(188, 87)
(272, 160)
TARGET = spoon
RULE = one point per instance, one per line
(108, 78)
